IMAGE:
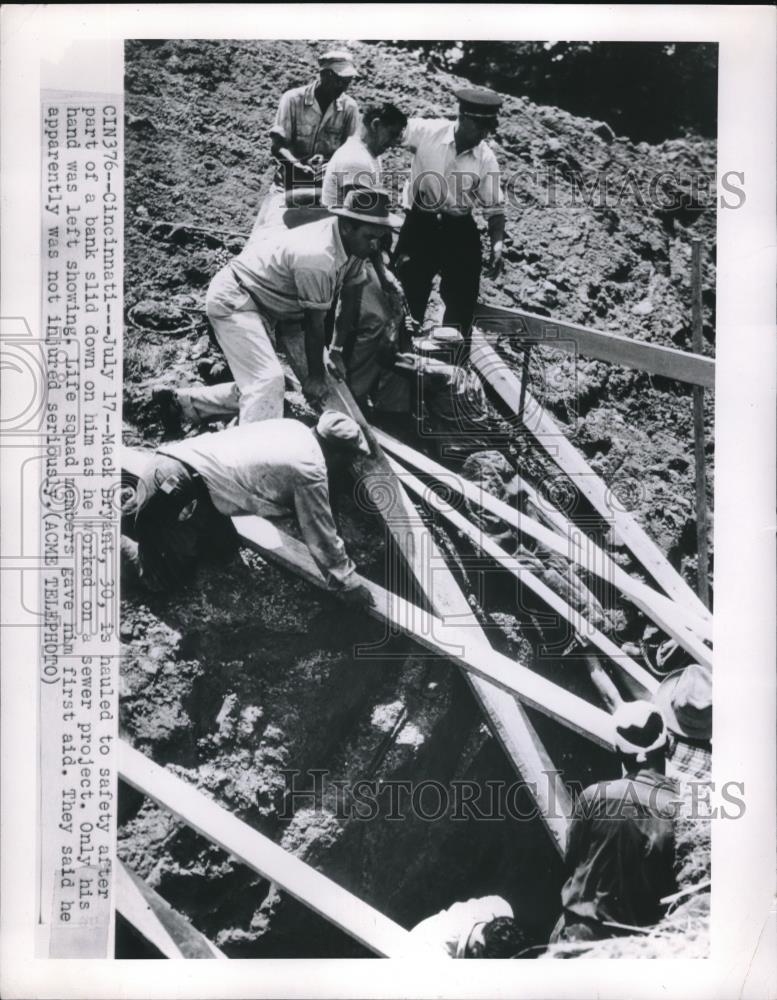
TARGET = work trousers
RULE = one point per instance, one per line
(247, 338)
(176, 526)
(448, 245)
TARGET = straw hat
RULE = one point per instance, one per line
(368, 205)
(685, 698)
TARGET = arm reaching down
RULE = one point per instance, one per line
(314, 514)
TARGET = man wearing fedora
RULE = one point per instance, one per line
(620, 846)
(313, 121)
(685, 699)
(281, 278)
(452, 172)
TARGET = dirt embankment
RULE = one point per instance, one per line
(251, 673)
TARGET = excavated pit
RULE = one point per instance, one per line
(250, 673)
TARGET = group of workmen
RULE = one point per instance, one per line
(620, 849)
(320, 264)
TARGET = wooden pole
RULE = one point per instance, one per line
(702, 580)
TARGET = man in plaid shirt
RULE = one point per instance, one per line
(685, 699)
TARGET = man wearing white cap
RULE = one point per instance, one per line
(453, 171)
(620, 847)
(282, 277)
(276, 468)
(315, 120)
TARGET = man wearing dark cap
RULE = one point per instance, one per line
(620, 847)
(313, 121)
(277, 468)
(452, 172)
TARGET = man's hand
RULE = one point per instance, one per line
(304, 170)
(335, 364)
(496, 263)
(358, 597)
(315, 388)
(407, 361)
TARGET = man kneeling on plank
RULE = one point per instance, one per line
(477, 928)
(282, 277)
(620, 848)
(274, 469)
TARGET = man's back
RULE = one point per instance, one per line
(255, 468)
(352, 165)
(621, 850)
(292, 270)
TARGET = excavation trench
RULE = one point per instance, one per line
(278, 701)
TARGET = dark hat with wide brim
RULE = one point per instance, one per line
(368, 205)
(685, 699)
(478, 103)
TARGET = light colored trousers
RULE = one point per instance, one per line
(247, 338)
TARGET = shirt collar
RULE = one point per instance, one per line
(310, 96)
(449, 137)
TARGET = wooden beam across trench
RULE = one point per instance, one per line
(669, 362)
(358, 919)
(681, 624)
(505, 714)
(507, 385)
(152, 917)
(642, 683)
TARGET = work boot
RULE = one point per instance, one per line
(169, 409)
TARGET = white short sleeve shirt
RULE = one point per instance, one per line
(442, 180)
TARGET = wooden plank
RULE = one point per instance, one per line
(702, 557)
(513, 565)
(506, 716)
(157, 921)
(461, 645)
(340, 907)
(681, 366)
(683, 625)
(510, 724)
(549, 435)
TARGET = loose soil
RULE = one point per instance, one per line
(250, 673)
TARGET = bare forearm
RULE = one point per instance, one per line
(281, 151)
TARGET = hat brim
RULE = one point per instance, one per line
(390, 221)
(663, 699)
(346, 72)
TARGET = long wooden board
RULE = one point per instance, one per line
(340, 907)
(464, 647)
(681, 624)
(682, 366)
(504, 381)
(647, 684)
(506, 716)
(157, 921)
